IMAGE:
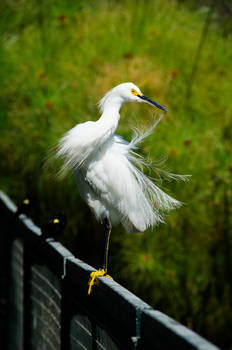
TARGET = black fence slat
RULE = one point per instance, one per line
(6, 216)
(16, 296)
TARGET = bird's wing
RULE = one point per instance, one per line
(140, 203)
(79, 143)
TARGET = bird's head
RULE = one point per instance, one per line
(127, 92)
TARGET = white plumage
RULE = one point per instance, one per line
(107, 170)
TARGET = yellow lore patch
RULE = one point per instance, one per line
(135, 93)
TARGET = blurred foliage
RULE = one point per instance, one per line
(57, 59)
(222, 12)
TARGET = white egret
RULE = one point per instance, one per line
(108, 171)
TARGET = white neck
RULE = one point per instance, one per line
(110, 108)
(111, 104)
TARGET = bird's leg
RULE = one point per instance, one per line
(103, 271)
(108, 227)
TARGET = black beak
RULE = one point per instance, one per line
(153, 103)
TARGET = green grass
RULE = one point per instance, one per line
(57, 59)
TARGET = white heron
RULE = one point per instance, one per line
(108, 171)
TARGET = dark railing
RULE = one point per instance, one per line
(44, 302)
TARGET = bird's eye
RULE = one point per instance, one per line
(134, 92)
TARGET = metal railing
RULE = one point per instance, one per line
(44, 302)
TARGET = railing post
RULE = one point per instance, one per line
(5, 247)
(65, 312)
(26, 299)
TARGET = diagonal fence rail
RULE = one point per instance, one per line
(44, 303)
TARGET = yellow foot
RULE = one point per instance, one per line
(93, 277)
